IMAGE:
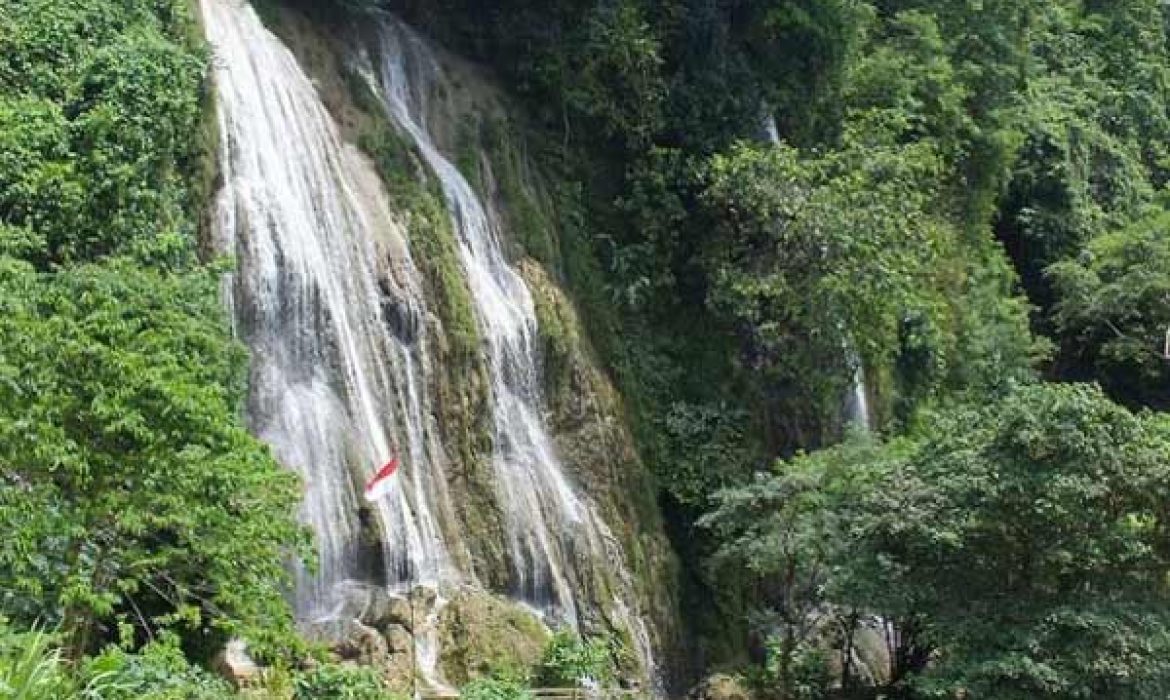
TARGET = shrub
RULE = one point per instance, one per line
(337, 682)
(158, 672)
(570, 660)
(31, 666)
(496, 688)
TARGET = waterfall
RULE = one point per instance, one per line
(556, 539)
(329, 302)
(535, 494)
(857, 402)
(768, 132)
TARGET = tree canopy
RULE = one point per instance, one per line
(132, 499)
(1019, 548)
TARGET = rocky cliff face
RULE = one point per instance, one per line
(619, 569)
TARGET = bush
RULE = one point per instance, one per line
(1018, 548)
(337, 682)
(570, 660)
(496, 688)
(158, 672)
(127, 470)
(101, 102)
(31, 666)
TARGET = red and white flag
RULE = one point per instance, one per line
(382, 482)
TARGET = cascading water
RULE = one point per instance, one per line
(328, 300)
(768, 129)
(857, 402)
(554, 534)
(535, 494)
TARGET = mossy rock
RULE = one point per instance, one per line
(481, 632)
(722, 686)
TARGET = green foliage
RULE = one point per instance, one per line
(132, 495)
(570, 660)
(496, 688)
(1112, 313)
(338, 682)
(1020, 545)
(617, 82)
(100, 104)
(787, 532)
(909, 76)
(1089, 136)
(159, 671)
(801, 673)
(31, 667)
(1041, 520)
(702, 437)
(832, 229)
(134, 500)
(860, 231)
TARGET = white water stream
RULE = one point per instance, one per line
(539, 503)
(557, 541)
(857, 402)
(328, 300)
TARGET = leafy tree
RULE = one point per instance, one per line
(1113, 314)
(132, 498)
(1029, 536)
(101, 102)
(570, 660)
(1082, 164)
(856, 230)
(1020, 546)
(787, 532)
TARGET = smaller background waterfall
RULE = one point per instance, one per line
(857, 402)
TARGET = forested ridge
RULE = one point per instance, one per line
(884, 286)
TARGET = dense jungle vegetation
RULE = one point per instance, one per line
(965, 202)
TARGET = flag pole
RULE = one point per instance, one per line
(410, 577)
(413, 638)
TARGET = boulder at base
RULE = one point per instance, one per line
(721, 686)
(480, 631)
(234, 664)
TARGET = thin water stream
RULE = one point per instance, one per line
(557, 540)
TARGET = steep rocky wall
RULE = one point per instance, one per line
(586, 411)
(473, 125)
